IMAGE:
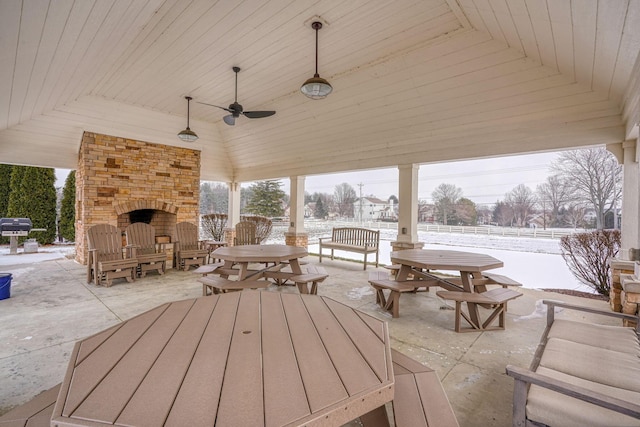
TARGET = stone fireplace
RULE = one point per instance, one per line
(120, 181)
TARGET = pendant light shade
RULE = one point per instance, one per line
(188, 135)
(316, 87)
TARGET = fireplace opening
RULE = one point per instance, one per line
(142, 215)
(163, 222)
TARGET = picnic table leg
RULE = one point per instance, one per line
(474, 313)
(295, 266)
(227, 266)
(403, 273)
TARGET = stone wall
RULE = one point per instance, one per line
(116, 173)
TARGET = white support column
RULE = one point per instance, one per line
(296, 204)
(408, 208)
(296, 235)
(234, 204)
(630, 199)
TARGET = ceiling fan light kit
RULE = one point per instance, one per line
(316, 87)
(188, 135)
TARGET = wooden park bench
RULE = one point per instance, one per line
(494, 299)
(35, 413)
(352, 239)
(418, 401)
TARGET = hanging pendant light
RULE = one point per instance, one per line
(316, 87)
(188, 135)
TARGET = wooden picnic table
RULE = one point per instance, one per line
(243, 255)
(236, 359)
(419, 262)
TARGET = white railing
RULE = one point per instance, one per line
(479, 230)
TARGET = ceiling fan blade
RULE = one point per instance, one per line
(230, 120)
(258, 114)
(217, 106)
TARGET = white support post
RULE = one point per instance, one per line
(296, 204)
(234, 204)
(630, 199)
(408, 208)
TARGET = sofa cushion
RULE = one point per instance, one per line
(556, 409)
(610, 337)
(603, 366)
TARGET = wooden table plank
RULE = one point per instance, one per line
(88, 373)
(283, 387)
(241, 401)
(91, 343)
(364, 339)
(197, 400)
(312, 357)
(355, 372)
(168, 371)
(112, 393)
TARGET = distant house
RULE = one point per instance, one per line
(373, 209)
(310, 210)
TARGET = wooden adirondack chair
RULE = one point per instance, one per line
(245, 234)
(141, 238)
(106, 258)
(189, 250)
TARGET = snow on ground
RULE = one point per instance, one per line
(536, 263)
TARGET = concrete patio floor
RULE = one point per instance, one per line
(52, 306)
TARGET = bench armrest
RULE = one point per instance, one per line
(526, 377)
(324, 238)
(551, 305)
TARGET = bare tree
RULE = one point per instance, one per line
(552, 195)
(445, 197)
(213, 225)
(344, 196)
(521, 200)
(575, 214)
(502, 214)
(466, 212)
(588, 255)
(593, 175)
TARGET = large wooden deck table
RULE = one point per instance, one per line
(418, 263)
(244, 255)
(236, 359)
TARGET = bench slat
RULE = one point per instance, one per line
(36, 412)
(419, 399)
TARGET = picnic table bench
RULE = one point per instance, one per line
(35, 413)
(381, 282)
(419, 399)
(495, 299)
(352, 239)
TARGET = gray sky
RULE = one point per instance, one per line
(482, 181)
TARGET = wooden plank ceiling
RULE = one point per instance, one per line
(415, 81)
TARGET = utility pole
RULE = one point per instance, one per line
(360, 185)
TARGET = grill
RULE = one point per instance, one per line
(15, 226)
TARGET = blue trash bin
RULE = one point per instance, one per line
(5, 285)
